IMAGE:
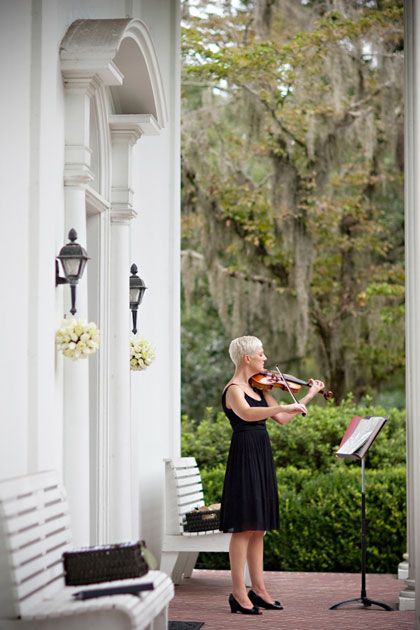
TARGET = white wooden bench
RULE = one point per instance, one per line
(34, 533)
(180, 549)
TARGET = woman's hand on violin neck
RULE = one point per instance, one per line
(315, 386)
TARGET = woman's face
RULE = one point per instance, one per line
(257, 360)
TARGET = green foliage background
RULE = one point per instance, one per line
(293, 230)
(319, 494)
(292, 189)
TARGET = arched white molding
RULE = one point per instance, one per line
(121, 54)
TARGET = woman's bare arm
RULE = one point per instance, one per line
(235, 400)
(281, 418)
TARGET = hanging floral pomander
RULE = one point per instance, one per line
(77, 339)
(142, 354)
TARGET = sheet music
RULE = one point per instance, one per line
(360, 435)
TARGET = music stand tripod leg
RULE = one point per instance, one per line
(374, 602)
(347, 601)
(363, 599)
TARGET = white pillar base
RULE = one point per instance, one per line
(407, 598)
(403, 568)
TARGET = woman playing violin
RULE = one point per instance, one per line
(249, 504)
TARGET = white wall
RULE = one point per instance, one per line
(15, 38)
(32, 118)
(46, 237)
(31, 218)
(32, 226)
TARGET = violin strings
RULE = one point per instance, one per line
(288, 388)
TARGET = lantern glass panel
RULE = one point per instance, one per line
(82, 267)
(135, 295)
(71, 266)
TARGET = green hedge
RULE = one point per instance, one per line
(305, 442)
(319, 495)
(311, 442)
(320, 520)
(320, 528)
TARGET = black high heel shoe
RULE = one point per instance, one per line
(235, 607)
(259, 601)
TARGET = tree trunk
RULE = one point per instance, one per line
(262, 18)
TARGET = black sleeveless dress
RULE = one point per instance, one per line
(249, 500)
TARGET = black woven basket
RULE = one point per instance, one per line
(104, 563)
(197, 521)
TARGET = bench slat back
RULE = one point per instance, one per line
(184, 491)
(34, 533)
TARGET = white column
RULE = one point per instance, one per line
(76, 374)
(122, 505)
(76, 391)
(408, 599)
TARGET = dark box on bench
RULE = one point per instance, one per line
(104, 563)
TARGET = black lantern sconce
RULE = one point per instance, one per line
(73, 259)
(137, 289)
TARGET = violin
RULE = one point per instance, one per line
(266, 379)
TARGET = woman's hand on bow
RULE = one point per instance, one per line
(295, 408)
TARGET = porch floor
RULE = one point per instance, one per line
(306, 598)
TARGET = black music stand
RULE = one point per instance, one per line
(354, 445)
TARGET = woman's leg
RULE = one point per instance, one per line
(238, 550)
(255, 557)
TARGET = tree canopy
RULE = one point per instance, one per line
(292, 183)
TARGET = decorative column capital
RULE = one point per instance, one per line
(122, 214)
(137, 124)
(125, 132)
(76, 174)
(85, 83)
(104, 70)
(126, 137)
(79, 88)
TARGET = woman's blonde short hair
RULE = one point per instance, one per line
(242, 346)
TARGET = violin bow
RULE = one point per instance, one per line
(288, 388)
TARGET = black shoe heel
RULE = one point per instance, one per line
(259, 601)
(235, 607)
